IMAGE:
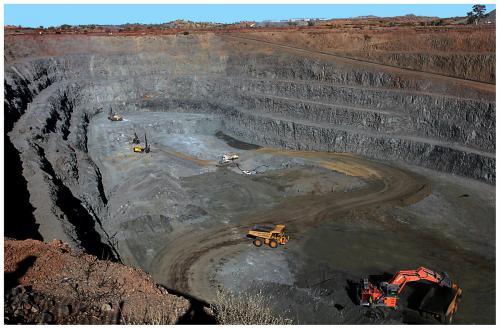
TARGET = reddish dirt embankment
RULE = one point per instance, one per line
(465, 52)
(58, 285)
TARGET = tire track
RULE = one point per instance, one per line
(175, 264)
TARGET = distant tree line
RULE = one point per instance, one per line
(476, 13)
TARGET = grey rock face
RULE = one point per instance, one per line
(264, 96)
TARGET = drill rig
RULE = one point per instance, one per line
(136, 139)
(440, 301)
(140, 149)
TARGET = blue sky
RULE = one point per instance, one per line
(58, 14)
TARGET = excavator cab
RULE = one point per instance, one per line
(390, 290)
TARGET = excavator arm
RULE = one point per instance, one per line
(401, 278)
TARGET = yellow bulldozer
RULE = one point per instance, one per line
(270, 235)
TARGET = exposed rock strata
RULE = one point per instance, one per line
(263, 94)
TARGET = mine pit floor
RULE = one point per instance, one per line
(182, 218)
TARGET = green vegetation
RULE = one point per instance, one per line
(476, 13)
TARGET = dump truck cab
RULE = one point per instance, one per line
(268, 234)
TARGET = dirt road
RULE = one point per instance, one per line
(488, 87)
(181, 264)
(347, 217)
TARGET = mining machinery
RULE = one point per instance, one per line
(438, 298)
(113, 116)
(140, 149)
(136, 139)
(228, 158)
(270, 235)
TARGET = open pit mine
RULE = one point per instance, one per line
(375, 149)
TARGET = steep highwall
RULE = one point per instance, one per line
(466, 52)
(265, 94)
(480, 67)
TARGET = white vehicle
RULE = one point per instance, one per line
(228, 157)
(246, 172)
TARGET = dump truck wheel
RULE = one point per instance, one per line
(257, 242)
(273, 244)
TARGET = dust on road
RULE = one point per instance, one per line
(347, 217)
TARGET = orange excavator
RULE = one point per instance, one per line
(440, 299)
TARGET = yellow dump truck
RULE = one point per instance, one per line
(270, 235)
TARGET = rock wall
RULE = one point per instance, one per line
(461, 51)
(268, 95)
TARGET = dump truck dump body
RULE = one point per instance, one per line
(441, 302)
(260, 228)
